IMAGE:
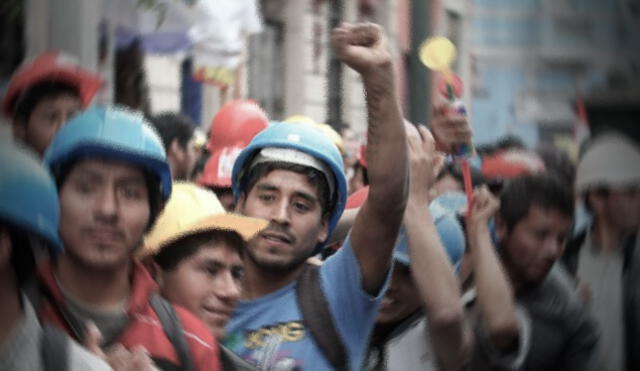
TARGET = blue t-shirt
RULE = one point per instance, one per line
(269, 332)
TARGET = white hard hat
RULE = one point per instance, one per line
(611, 160)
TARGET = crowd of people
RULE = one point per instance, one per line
(133, 243)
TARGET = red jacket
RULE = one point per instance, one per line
(144, 327)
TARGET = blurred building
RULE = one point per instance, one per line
(531, 60)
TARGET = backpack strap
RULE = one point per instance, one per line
(317, 317)
(173, 329)
(54, 347)
(232, 362)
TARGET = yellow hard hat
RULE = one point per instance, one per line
(332, 134)
(192, 209)
(302, 119)
(326, 129)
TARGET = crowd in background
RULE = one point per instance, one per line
(139, 243)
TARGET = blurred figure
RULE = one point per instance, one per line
(232, 128)
(503, 166)
(533, 225)
(450, 179)
(557, 161)
(178, 137)
(28, 231)
(43, 94)
(510, 143)
(421, 326)
(605, 257)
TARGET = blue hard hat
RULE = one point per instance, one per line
(456, 203)
(28, 194)
(112, 133)
(303, 138)
(450, 233)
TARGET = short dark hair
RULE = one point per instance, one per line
(28, 100)
(557, 161)
(171, 255)
(509, 142)
(453, 169)
(171, 125)
(314, 177)
(544, 190)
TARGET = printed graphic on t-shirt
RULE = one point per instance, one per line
(263, 347)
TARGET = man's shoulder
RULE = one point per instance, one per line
(555, 298)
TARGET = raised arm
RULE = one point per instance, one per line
(363, 47)
(494, 292)
(443, 310)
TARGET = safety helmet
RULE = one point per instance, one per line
(235, 124)
(192, 209)
(217, 170)
(509, 164)
(611, 160)
(450, 233)
(50, 66)
(29, 199)
(114, 133)
(361, 156)
(444, 217)
(302, 138)
(330, 132)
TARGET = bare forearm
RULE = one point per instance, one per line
(441, 301)
(386, 146)
(494, 292)
(376, 227)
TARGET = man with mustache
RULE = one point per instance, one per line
(113, 179)
(292, 175)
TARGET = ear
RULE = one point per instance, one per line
(324, 231)
(175, 149)
(501, 228)
(5, 249)
(239, 208)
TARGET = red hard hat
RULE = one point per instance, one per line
(362, 155)
(51, 66)
(236, 124)
(511, 163)
(357, 198)
(217, 171)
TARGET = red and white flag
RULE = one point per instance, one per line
(581, 130)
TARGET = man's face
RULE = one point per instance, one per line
(622, 208)
(207, 283)
(185, 158)
(104, 211)
(47, 117)
(291, 204)
(535, 243)
(401, 299)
